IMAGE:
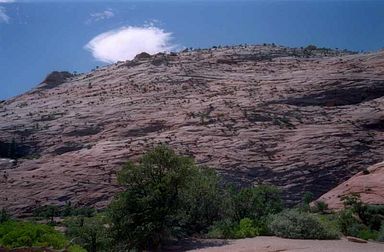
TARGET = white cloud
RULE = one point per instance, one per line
(125, 43)
(4, 18)
(98, 16)
(7, 1)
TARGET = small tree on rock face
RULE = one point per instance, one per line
(4, 216)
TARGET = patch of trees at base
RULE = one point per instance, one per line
(167, 197)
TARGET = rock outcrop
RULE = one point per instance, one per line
(302, 120)
(369, 184)
(54, 79)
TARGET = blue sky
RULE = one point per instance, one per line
(37, 37)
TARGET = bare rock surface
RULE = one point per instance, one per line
(276, 244)
(369, 184)
(302, 120)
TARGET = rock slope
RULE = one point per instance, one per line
(302, 119)
(369, 184)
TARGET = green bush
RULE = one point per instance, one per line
(231, 230)
(257, 202)
(348, 222)
(76, 248)
(246, 228)
(223, 229)
(320, 207)
(367, 234)
(372, 216)
(4, 216)
(359, 219)
(165, 196)
(301, 225)
(203, 201)
(380, 235)
(47, 212)
(27, 234)
(51, 211)
(89, 232)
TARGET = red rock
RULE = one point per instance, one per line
(355, 239)
(258, 114)
(370, 187)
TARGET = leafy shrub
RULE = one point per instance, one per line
(89, 232)
(4, 216)
(307, 198)
(230, 230)
(69, 210)
(320, 207)
(246, 228)
(380, 235)
(257, 202)
(76, 248)
(350, 224)
(51, 211)
(301, 225)
(222, 230)
(47, 212)
(372, 216)
(359, 219)
(203, 201)
(26, 234)
(367, 234)
(165, 196)
(347, 222)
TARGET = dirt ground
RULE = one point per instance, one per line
(275, 244)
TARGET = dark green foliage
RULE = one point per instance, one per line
(223, 229)
(348, 222)
(69, 210)
(359, 219)
(26, 234)
(307, 198)
(167, 196)
(368, 234)
(257, 202)
(320, 207)
(380, 235)
(370, 215)
(203, 201)
(47, 212)
(51, 211)
(157, 192)
(89, 232)
(4, 216)
(301, 225)
(230, 230)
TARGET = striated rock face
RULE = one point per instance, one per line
(302, 120)
(369, 184)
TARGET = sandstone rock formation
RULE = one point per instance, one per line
(302, 120)
(369, 184)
